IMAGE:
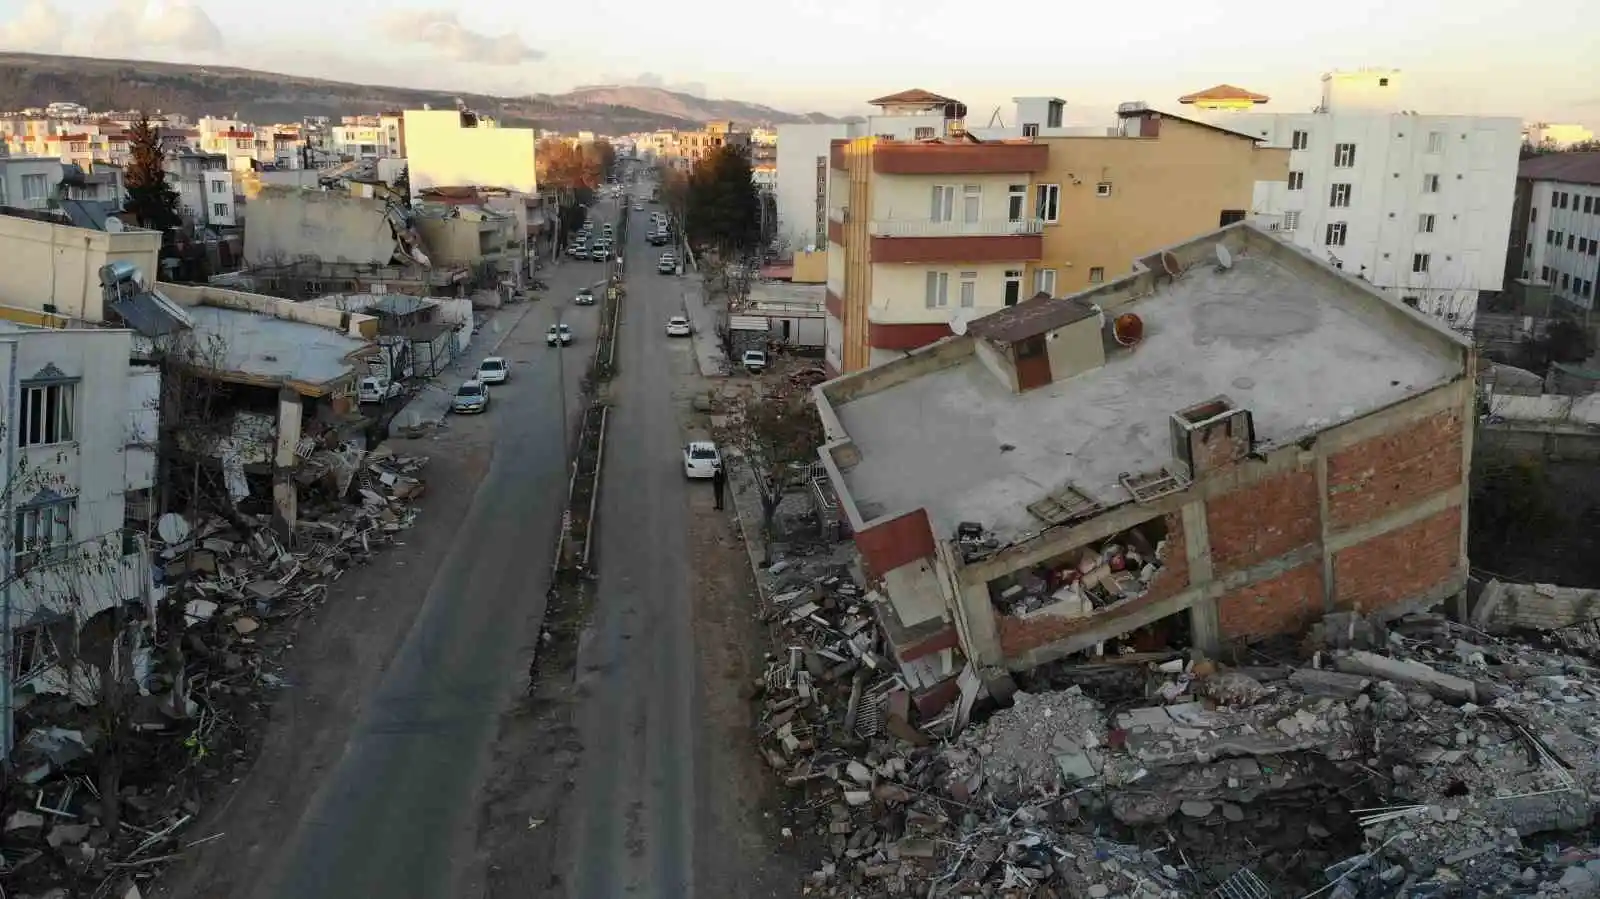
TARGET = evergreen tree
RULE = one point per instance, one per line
(151, 200)
(724, 206)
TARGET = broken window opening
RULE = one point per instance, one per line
(1205, 411)
(1086, 580)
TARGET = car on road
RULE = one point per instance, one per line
(599, 254)
(677, 326)
(701, 459)
(585, 297)
(638, 207)
(667, 264)
(561, 334)
(374, 389)
(471, 396)
(754, 361)
(493, 370)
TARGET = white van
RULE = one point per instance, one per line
(374, 389)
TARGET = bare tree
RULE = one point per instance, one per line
(779, 437)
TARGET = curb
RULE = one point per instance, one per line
(749, 544)
(504, 335)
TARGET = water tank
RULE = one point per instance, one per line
(118, 273)
(1128, 329)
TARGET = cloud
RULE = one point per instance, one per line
(129, 28)
(443, 32)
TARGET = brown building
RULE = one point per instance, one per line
(1224, 445)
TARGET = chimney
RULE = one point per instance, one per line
(1211, 435)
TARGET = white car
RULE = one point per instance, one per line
(754, 361)
(471, 396)
(701, 459)
(374, 389)
(677, 326)
(493, 370)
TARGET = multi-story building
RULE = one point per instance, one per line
(205, 186)
(802, 182)
(459, 148)
(36, 182)
(1419, 205)
(1556, 235)
(238, 141)
(370, 136)
(926, 231)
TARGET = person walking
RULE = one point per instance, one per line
(719, 481)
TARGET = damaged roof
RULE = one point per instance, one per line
(273, 351)
(1030, 318)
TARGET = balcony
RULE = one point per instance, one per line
(994, 240)
(996, 158)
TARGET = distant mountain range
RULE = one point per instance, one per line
(34, 79)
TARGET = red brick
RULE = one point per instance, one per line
(1283, 604)
(1388, 473)
(1263, 521)
(1402, 564)
(898, 541)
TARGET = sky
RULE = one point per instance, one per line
(1538, 62)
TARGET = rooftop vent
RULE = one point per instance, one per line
(1210, 435)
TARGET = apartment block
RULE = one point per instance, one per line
(931, 224)
(1181, 457)
(1556, 237)
(459, 148)
(205, 186)
(1419, 205)
(802, 182)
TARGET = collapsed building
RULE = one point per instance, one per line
(1224, 445)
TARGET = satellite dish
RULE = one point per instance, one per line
(1128, 329)
(114, 226)
(172, 528)
(1171, 265)
(1224, 258)
(958, 321)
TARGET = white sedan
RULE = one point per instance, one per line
(493, 370)
(677, 326)
(701, 459)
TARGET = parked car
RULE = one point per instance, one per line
(471, 396)
(667, 264)
(677, 326)
(638, 207)
(754, 361)
(701, 459)
(599, 254)
(493, 370)
(585, 297)
(374, 389)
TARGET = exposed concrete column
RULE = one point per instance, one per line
(1325, 523)
(978, 623)
(285, 497)
(1204, 627)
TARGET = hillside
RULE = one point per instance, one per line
(683, 106)
(31, 79)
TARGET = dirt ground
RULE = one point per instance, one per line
(337, 655)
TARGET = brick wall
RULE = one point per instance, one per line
(1283, 604)
(1021, 635)
(1385, 474)
(1401, 564)
(1263, 521)
(1536, 607)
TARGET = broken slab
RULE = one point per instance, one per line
(1444, 686)
(1319, 682)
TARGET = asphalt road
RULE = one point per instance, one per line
(394, 817)
(631, 816)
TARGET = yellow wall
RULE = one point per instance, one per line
(900, 290)
(1164, 190)
(59, 265)
(810, 268)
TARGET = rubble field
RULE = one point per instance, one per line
(1414, 758)
(200, 667)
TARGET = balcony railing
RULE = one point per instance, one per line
(980, 228)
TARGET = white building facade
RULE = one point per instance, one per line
(1419, 205)
(1562, 243)
(457, 148)
(205, 186)
(802, 183)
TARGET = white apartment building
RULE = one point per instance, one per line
(28, 182)
(1560, 236)
(458, 148)
(370, 137)
(79, 455)
(205, 186)
(802, 183)
(1419, 205)
(238, 141)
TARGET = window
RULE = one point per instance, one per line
(250, 145)
(1544, 273)
(969, 289)
(1301, 140)
(922, 134)
(1561, 199)
(41, 531)
(1430, 184)
(972, 203)
(219, 209)
(1425, 223)
(1044, 281)
(1336, 234)
(1413, 302)
(1291, 220)
(1564, 277)
(219, 187)
(1435, 141)
(1534, 215)
(938, 291)
(1570, 238)
(1030, 347)
(1016, 202)
(1549, 235)
(1103, 189)
(33, 187)
(1587, 201)
(1592, 244)
(1297, 180)
(1031, 129)
(944, 202)
(1419, 263)
(1013, 286)
(1047, 202)
(1344, 156)
(46, 415)
(1383, 82)
(1097, 275)
(1339, 195)
(1229, 216)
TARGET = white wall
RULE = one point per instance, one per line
(799, 147)
(441, 153)
(220, 208)
(23, 178)
(1475, 159)
(1571, 273)
(900, 292)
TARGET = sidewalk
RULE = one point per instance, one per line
(707, 352)
(431, 403)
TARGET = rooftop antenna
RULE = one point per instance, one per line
(995, 121)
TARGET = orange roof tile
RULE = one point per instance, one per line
(1223, 92)
(914, 95)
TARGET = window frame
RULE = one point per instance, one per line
(1342, 229)
(58, 406)
(1344, 155)
(1420, 263)
(1339, 195)
(1047, 203)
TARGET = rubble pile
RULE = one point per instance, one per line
(195, 667)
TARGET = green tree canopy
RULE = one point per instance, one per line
(724, 210)
(151, 200)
